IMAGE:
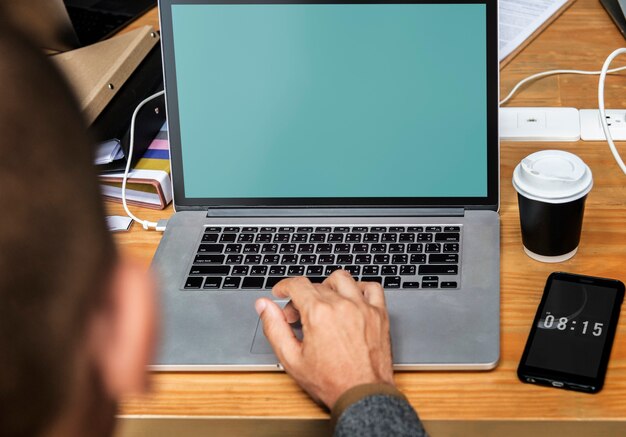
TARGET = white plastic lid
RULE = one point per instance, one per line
(552, 176)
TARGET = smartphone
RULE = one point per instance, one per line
(572, 334)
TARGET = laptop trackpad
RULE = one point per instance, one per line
(260, 344)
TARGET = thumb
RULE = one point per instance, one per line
(278, 332)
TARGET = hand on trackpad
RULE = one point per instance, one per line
(260, 344)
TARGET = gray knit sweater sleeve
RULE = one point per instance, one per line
(379, 415)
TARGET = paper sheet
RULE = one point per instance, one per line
(520, 18)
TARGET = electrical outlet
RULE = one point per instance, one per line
(591, 128)
(539, 124)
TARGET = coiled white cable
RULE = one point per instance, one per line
(605, 126)
(144, 223)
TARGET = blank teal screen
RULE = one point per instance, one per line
(332, 100)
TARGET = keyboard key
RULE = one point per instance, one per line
(231, 282)
(282, 238)
(306, 248)
(315, 270)
(450, 258)
(433, 247)
(433, 228)
(353, 238)
(287, 229)
(407, 270)
(193, 282)
(396, 248)
(251, 248)
(359, 229)
(252, 229)
(341, 229)
(389, 270)
(447, 236)
(400, 259)
(424, 237)
(326, 259)
(289, 259)
(271, 259)
(245, 238)
(353, 270)
(378, 248)
(346, 259)
(431, 278)
(335, 238)
(378, 229)
(392, 282)
(209, 238)
(418, 259)
(438, 270)
(209, 259)
(299, 238)
(234, 259)
(428, 284)
(308, 259)
(258, 270)
(389, 238)
(233, 248)
(240, 270)
(213, 282)
(323, 229)
(305, 229)
(451, 247)
(210, 270)
(263, 238)
(342, 248)
(228, 238)
(317, 238)
(316, 279)
(407, 238)
(252, 259)
(273, 280)
(211, 248)
(363, 259)
(268, 229)
(359, 248)
(372, 279)
(448, 284)
(381, 259)
(252, 282)
(287, 248)
(415, 248)
(411, 285)
(277, 270)
(371, 238)
(213, 229)
(370, 270)
(415, 229)
(324, 248)
(232, 229)
(452, 229)
(330, 269)
(296, 271)
(397, 229)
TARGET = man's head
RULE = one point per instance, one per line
(75, 321)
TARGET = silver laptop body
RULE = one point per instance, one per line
(327, 119)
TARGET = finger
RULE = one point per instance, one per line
(344, 284)
(278, 332)
(291, 313)
(374, 294)
(300, 290)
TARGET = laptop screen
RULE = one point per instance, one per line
(342, 101)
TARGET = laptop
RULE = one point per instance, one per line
(61, 25)
(310, 136)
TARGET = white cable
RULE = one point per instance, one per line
(605, 126)
(145, 223)
(550, 73)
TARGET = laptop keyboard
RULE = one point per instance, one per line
(258, 257)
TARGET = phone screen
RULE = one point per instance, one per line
(574, 328)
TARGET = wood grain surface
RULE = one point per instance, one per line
(581, 38)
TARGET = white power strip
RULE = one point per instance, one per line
(591, 129)
(539, 124)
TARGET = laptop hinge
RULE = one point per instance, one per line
(336, 212)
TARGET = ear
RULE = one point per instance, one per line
(123, 335)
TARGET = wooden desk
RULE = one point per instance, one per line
(454, 403)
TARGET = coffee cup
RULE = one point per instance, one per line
(552, 186)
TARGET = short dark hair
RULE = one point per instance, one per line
(55, 251)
